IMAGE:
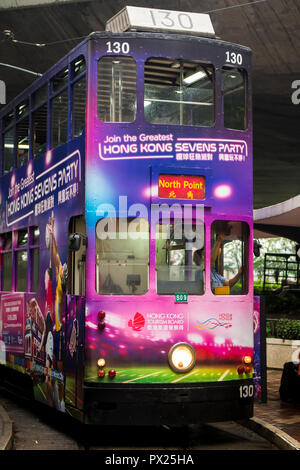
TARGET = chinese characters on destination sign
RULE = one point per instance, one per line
(181, 187)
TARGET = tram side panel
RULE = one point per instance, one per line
(35, 332)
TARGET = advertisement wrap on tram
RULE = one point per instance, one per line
(126, 247)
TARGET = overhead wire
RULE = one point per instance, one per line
(235, 6)
(44, 44)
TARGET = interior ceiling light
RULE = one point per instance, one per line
(194, 77)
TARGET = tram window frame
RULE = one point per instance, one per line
(227, 116)
(170, 80)
(169, 286)
(20, 249)
(113, 113)
(41, 148)
(8, 119)
(8, 155)
(77, 259)
(40, 96)
(34, 256)
(78, 77)
(77, 70)
(22, 109)
(60, 80)
(110, 285)
(39, 100)
(25, 240)
(229, 231)
(57, 138)
(59, 91)
(21, 137)
(78, 130)
(6, 250)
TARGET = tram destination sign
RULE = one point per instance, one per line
(181, 187)
(149, 19)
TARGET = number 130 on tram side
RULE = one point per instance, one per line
(126, 226)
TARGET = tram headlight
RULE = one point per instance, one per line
(182, 357)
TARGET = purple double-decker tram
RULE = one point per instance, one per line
(126, 226)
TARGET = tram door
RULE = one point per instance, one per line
(75, 318)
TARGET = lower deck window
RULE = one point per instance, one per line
(21, 274)
(122, 256)
(229, 257)
(77, 259)
(6, 261)
(179, 259)
(35, 254)
(7, 271)
(19, 260)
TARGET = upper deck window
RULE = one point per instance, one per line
(59, 119)
(8, 151)
(22, 109)
(8, 119)
(39, 131)
(179, 92)
(40, 96)
(234, 95)
(117, 89)
(60, 80)
(78, 106)
(22, 142)
(78, 91)
(78, 66)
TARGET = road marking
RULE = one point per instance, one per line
(142, 377)
(186, 375)
(223, 376)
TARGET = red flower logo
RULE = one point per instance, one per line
(137, 323)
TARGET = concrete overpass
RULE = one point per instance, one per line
(279, 220)
(269, 27)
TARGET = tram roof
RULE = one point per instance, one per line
(104, 34)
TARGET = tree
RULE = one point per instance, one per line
(233, 254)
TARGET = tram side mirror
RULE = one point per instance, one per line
(75, 241)
(256, 248)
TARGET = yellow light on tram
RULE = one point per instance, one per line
(247, 359)
(182, 357)
(101, 362)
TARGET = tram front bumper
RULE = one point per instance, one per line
(141, 405)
